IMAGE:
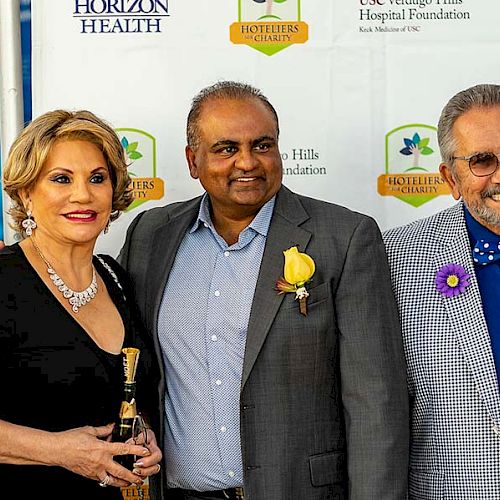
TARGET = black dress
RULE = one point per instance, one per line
(54, 376)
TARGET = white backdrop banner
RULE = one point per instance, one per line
(358, 85)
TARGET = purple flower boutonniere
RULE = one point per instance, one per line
(452, 280)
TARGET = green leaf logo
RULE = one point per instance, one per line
(416, 146)
(131, 151)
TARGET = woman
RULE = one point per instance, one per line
(65, 316)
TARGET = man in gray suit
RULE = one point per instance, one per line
(446, 275)
(261, 400)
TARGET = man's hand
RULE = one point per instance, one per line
(2, 244)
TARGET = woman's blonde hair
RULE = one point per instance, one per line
(30, 150)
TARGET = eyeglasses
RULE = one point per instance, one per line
(481, 164)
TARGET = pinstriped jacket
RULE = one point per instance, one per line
(455, 404)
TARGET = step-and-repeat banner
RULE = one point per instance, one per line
(358, 85)
(25, 19)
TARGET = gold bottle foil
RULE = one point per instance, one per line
(124, 427)
(128, 410)
(130, 360)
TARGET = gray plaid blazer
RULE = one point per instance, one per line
(324, 407)
(454, 398)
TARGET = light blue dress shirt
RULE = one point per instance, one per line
(202, 328)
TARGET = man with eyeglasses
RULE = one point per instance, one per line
(446, 277)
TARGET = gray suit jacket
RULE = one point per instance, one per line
(324, 411)
(455, 405)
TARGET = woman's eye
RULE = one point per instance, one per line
(61, 179)
(97, 178)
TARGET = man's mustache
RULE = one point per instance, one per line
(488, 192)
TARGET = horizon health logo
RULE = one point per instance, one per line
(269, 25)
(412, 165)
(120, 16)
(140, 151)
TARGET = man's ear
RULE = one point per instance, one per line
(450, 178)
(191, 160)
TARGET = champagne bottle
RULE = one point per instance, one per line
(124, 426)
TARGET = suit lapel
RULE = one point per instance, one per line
(165, 242)
(466, 316)
(284, 232)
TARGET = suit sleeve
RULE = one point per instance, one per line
(123, 257)
(373, 371)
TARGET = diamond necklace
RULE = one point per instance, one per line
(76, 299)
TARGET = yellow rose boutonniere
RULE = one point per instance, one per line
(299, 269)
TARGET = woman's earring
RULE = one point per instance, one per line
(29, 223)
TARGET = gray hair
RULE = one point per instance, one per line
(479, 96)
(221, 90)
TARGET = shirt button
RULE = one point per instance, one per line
(223, 428)
(231, 473)
(226, 254)
(205, 224)
(217, 293)
(218, 382)
(214, 338)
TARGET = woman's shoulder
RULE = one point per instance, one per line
(16, 279)
(110, 270)
(10, 250)
(111, 266)
(108, 261)
(12, 259)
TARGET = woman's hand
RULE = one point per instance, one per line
(86, 451)
(147, 465)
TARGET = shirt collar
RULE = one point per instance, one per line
(260, 223)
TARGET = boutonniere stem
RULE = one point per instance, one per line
(298, 271)
(302, 295)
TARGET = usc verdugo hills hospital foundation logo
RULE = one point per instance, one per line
(140, 151)
(268, 25)
(412, 165)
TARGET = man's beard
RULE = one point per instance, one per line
(485, 214)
